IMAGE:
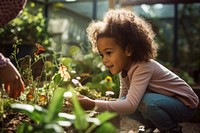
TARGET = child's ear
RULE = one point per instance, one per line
(128, 52)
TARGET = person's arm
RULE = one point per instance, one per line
(10, 77)
(86, 103)
(138, 79)
(123, 89)
(141, 75)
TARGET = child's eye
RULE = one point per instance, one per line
(108, 53)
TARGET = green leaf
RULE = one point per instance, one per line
(36, 113)
(74, 50)
(66, 61)
(57, 78)
(39, 114)
(67, 116)
(106, 128)
(105, 116)
(53, 128)
(25, 128)
(80, 122)
(55, 105)
(24, 107)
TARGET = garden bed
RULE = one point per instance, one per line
(11, 120)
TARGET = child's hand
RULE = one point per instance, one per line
(12, 81)
(86, 103)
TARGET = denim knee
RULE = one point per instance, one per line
(163, 111)
(146, 102)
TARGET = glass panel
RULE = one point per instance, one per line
(161, 16)
(156, 10)
(86, 8)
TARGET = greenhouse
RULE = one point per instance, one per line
(99, 66)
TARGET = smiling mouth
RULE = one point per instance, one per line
(109, 67)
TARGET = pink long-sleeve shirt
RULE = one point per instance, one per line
(148, 76)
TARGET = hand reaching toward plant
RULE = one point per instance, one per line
(11, 78)
(86, 103)
(9, 75)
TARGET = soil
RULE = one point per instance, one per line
(10, 121)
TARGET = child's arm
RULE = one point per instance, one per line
(86, 103)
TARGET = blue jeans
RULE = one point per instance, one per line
(161, 111)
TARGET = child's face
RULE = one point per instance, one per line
(113, 56)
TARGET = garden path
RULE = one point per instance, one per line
(128, 125)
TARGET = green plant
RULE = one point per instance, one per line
(45, 74)
(91, 71)
(52, 120)
(86, 91)
(37, 73)
(46, 120)
(30, 26)
(43, 99)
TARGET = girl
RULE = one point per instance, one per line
(149, 92)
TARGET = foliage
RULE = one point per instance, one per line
(91, 71)
(45, 73)
(189, 48)
(52, 121)
(29, 26)
(86, 91)
(45, 119)
(189, 35)
(42, 99)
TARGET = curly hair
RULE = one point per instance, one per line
(129, 31)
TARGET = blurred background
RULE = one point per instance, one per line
(60, 24)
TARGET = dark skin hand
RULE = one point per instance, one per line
(12, 80)
(85, 102)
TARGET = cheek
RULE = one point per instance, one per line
(122, 61)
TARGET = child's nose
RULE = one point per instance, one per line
(105, 60)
